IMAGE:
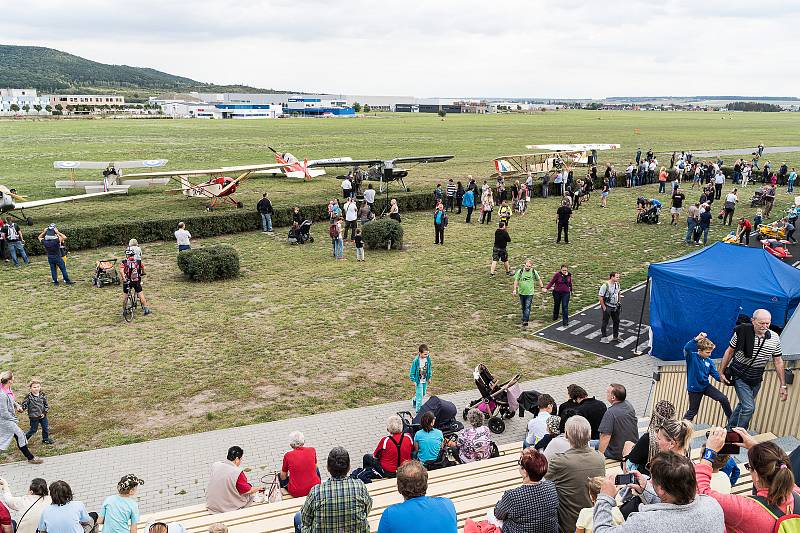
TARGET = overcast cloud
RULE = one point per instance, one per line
(536, 48)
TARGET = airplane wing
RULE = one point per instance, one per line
(345, 162)
(207, 172)
(98, 165)
(423, 159)
(572, 147)
(49, 201)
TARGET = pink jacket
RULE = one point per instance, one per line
(742, 514)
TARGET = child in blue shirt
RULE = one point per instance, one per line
(698, 369)
(420, 374)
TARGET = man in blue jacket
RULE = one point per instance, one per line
(468, 201)
(418, 512)
(698, 369)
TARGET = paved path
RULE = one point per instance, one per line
(746, 151)
(176, 469)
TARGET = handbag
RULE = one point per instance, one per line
(631, 505)
(729, 373)
(274, 493)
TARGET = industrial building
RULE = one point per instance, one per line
(22, 99)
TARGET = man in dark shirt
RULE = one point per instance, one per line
(500, 249)
(705, 223)
(264, 208)
(677, 205)
(563, 213)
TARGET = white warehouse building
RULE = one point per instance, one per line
(22, 98)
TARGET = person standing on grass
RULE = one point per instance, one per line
(350, 217)
(730, 205)
(35, 403)
(15, 242)
(420, 374)
(719, 181)
(347, 187)
(699, 367)
(450, 195)
(359, 245)
(487, 206)
(769, 199)
(545, 185)
(677, 205)
(790, 180)
(743, 231)
(561, 284)
(369, 196)
(9, 424)
(182, 237)
(562, 218)
(468, 202)
(704, 224)
(500, 248)
(338, 245)
(459, 196)
(604, 193)
(662, 180)
(524, 279)
(53, 240)
(264, 208)
(609, 296)
(439, 223)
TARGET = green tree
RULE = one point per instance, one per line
(26, 108)
(38, 108)
(367, 108)
(357, 107)
(14, 108)
(59, 107)
(442, 113)
(48, 108)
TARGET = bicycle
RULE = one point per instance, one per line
(129, 305)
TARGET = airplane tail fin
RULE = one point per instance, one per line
(502, 166)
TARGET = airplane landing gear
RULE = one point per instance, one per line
(209, 208)
(239, 205)
(29, 221)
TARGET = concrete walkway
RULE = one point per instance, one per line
(176, 470)
(746, 151)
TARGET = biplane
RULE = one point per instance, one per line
(587, 153)
(385, 171)
(220, 185)
(112, 175)
(306, 169)
(514, 166)
(11, 202)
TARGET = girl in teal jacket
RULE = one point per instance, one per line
(420, 374)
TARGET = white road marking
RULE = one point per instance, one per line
(562, 328)
(627, 341)
(581, 329)
(594, 334)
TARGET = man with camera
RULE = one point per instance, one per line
(750, 349)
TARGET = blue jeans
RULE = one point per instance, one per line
(266, 222)
(15, 248)
(35, 427)
(561, 300)
(338, 247)
(704, 230)
(58, 262)
(298, 522)
(791, 186)
(691, 223)
(747, 404)
(525, 300)
(184, 247)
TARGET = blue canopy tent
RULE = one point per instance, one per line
(707, 291)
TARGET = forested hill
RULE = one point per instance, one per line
(53, 71)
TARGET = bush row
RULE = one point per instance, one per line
(201, 225)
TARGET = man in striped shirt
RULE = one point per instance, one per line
(450, 195)
(750, 349)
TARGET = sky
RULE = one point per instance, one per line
(447, 48)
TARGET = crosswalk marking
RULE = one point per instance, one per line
(627, 341)
(581, 329)
(594, 334)
(562, 328)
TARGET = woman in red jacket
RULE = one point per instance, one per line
(772, 478)
(561, 283)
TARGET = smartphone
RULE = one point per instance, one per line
(624, 479)
(730, 448)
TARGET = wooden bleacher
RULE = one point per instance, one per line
(474, 489)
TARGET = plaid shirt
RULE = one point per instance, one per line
(337, 506)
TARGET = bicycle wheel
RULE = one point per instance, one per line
(128, 307)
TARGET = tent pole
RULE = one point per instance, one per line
(641, 315)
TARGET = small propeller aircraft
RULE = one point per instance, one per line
(10, 202)
(306, 169)
(112, 175)
(386, 170)
(587, 152)
(219, 186)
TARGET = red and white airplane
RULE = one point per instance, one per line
(294, 168)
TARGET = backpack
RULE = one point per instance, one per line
(333, 231)
(784, 522)
(444, 220)
(133, 270)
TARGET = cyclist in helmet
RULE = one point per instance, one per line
(132, 271)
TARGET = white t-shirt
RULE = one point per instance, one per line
(369, 196)
(182, 236)
(346, 185)
(585, 519)
(720, 482)
(423, 369)
(719, 178)
(350, 211)
(730, 197)
(537, 427)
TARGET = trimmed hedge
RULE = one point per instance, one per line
(202, 225)
(220, 261)
(379, 233)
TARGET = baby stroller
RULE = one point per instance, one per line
(444, 412)
(497, 401)
(301, 234)
(757, 199)
(105, 273)
(649, 216)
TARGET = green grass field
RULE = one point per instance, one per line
(298, 332)
(30, 147)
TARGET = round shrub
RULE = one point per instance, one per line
(379, 233)
(220, 261)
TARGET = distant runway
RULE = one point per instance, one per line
(746, 151)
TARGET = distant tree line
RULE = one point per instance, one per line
(753, 106)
